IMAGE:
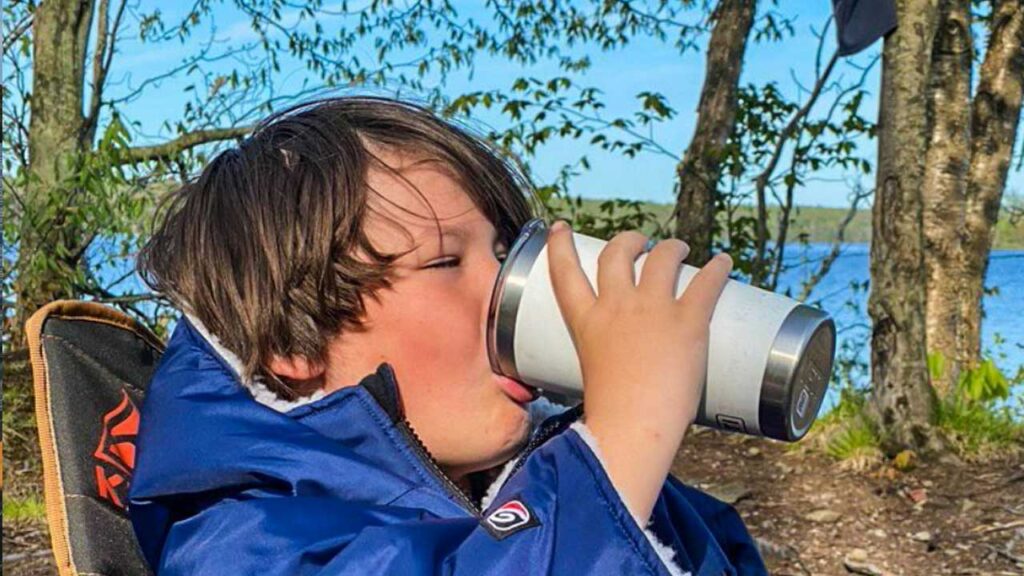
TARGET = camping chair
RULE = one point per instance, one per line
(91, 365)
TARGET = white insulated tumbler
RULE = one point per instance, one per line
(769, 356)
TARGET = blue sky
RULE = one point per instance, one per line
(645, 64)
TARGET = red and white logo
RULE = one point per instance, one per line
(511, 515)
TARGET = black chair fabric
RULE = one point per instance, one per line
(91, 370)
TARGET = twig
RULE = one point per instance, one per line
(837, 245)
(20, 28)
(998, 527)
(10, 558)
(1004, 553)
(1011, 480)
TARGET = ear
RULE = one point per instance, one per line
(296, 368)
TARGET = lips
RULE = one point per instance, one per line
(517, 391)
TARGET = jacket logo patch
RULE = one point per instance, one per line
(511, 517)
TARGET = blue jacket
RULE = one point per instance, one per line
(342, 485)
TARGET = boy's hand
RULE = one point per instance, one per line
(642, 351)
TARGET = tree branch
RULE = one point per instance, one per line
(995, 116)
(761, 180)
(102, 56)
(17, 31)
(837, 244)
(102, 33)
(182, 143)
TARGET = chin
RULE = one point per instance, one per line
(509, 443)
(518, 436)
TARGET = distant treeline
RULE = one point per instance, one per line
(820, 224)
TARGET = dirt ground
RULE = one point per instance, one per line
(810, 515)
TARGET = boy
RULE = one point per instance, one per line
(326, 405)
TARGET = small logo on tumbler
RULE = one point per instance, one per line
(509, 518)
(802, 401)
(731, 423)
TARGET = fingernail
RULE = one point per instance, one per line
(558, 226)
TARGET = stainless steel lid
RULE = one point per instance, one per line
(507, 295)
(797, 374)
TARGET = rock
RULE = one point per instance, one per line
(879, 533)
(857, 562)
(923, 536)
(918, 495)
(967, 505)
(730, 493)
(754, 451)
(823, 516)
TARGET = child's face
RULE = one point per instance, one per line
(431, 326)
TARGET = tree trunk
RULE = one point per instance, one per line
(716, 116)
(995, 116)
(902, 396)
(945, 182)
(60, 37)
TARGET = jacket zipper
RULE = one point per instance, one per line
(456, 493)
(427, 458)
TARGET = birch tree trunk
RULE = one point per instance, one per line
(945, 183)
(995, 117)
(716, 116)
(902, 395)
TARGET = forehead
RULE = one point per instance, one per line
(416, 193)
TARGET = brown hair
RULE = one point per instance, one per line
(260, 246)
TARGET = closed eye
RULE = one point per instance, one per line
(455, 261)
(450, 263)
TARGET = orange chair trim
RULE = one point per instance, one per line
(53, 489)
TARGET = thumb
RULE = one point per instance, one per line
(570, 284)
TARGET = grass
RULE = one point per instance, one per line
(975, 431)
(23, 475)
(30, 508)
(846, 434)
(978, 432)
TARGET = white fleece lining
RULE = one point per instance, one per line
(255, 386)
(665, 553)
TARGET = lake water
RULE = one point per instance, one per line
(841, 294)
(1002, 327)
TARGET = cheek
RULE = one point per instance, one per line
(437, 324)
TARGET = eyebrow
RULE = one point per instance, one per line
(454, 231)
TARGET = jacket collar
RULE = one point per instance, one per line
(382, 384)
(201, 432)
(259, 390)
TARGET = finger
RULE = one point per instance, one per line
(703, 292)
(660, 274)
(572, 289)
(616, 265)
